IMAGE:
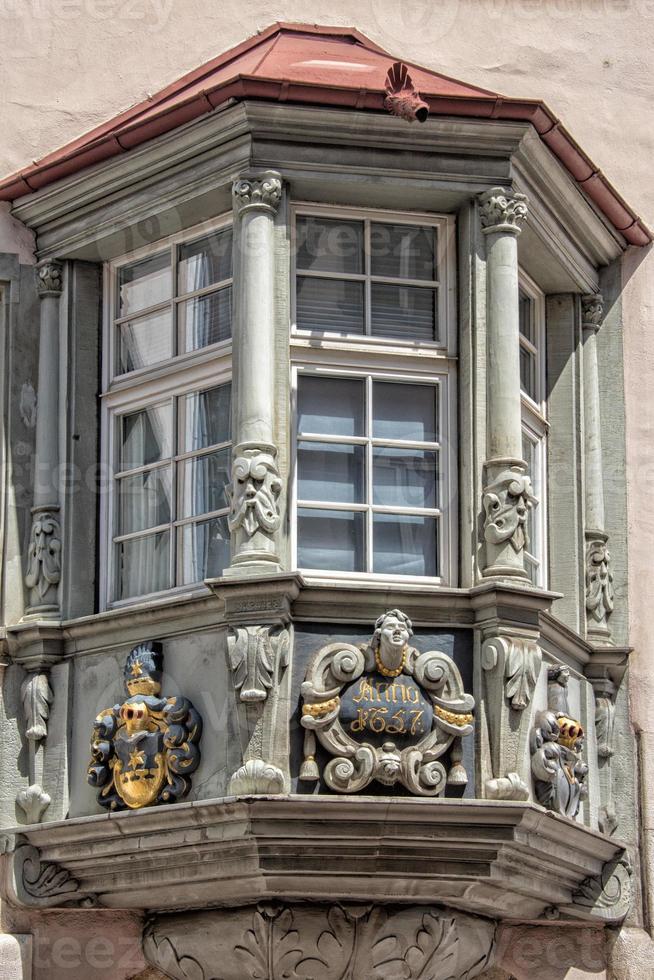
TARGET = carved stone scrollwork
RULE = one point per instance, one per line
(36, 697)
(254, 492)
(44, 553)
(501, 210)
(256, 653)
(507, 502)
(263, 191)
(145, 750)
(522, 660)
(608, 895)
(385, 712)
(49, 277)
(599, 579)
(34, 882)
(556, 743)
(330, 942)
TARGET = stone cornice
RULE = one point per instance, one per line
(507, 860)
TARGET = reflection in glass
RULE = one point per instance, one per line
(204, 479)
(207, 418)
(528, 372)
(145, 341)
(146, 436)
(207, 319)
(402, 251)
(144, 500)
(204, 262)
(335, 305)
(205, 550)
(404, 477)
(404, 544)
(331, 406)
(405, 411)
(144, 284)
(329, 245)
(143, 565)
(330, 473)
(405, 312)
(329, 539)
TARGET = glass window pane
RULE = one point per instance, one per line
(145, 341)
(146, 436)
(329, 304)
(204, 479)
(402, 251)
(331, 473)
(528, 372)
(404, 411)
(144, 284)
(331, 540)
(144, 500)
(204, 262)
(404, 477)
(405, 545)
(405, 312)
(329, 245)
(205, 550)
(143, 565)
(207, 418)
(526, 318)
(206, 319)
(331, 406)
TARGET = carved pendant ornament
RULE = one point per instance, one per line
(385, 712)
(44, 554)
(599, 581)
(507, 502)
(144, 750)
(556, 744)
(254, 493)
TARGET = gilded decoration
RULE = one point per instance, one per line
(385, 712)
(556, 746)
(145, 750)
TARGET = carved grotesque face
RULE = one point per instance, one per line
(256, 488)
(393, 636)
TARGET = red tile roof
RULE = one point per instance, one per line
(330, 66)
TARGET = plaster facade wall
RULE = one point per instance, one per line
(586, 58)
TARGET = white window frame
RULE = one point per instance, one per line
(535, 425)
(446, 284)
(208, 367)
(388, 359)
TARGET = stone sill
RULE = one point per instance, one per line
(509, 861)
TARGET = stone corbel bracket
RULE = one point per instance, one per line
(259, 642)
(37, 883)
(511, 667)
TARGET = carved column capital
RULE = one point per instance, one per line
(592, 311)
(50, 275)
(502, 211)
(262, 191)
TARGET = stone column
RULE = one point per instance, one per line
(599, 579)
(256, 486)
(44, 555)
(507, 495)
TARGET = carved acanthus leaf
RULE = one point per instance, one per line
(35, 882)
(604, 725)
(592, 310)
(599, 581)
(36, 695)
(502, 210)
(44, 553)
(256, 655)
(50, 277)
(522, 659)
(264, 191)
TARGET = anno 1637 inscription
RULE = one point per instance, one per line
(385, 712)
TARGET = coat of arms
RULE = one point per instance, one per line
(144, 750)
(385, 712)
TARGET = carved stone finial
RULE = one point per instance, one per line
(261, 191)
(145, 750)
(385, 712)
(254, 492)
(502, 210)
(592, 311)
(50, 277)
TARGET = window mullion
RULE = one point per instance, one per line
(369, 482)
